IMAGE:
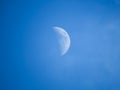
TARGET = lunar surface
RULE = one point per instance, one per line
(63, 39)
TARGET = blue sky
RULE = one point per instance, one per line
(30, 51)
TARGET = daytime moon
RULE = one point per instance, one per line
(63, 39)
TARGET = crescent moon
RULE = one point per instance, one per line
(64, 40)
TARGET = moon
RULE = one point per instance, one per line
(63, 39)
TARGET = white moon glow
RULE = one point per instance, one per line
(64, 39)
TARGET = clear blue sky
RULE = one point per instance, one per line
(30, 52)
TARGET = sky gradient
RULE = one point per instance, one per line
(30, 51)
